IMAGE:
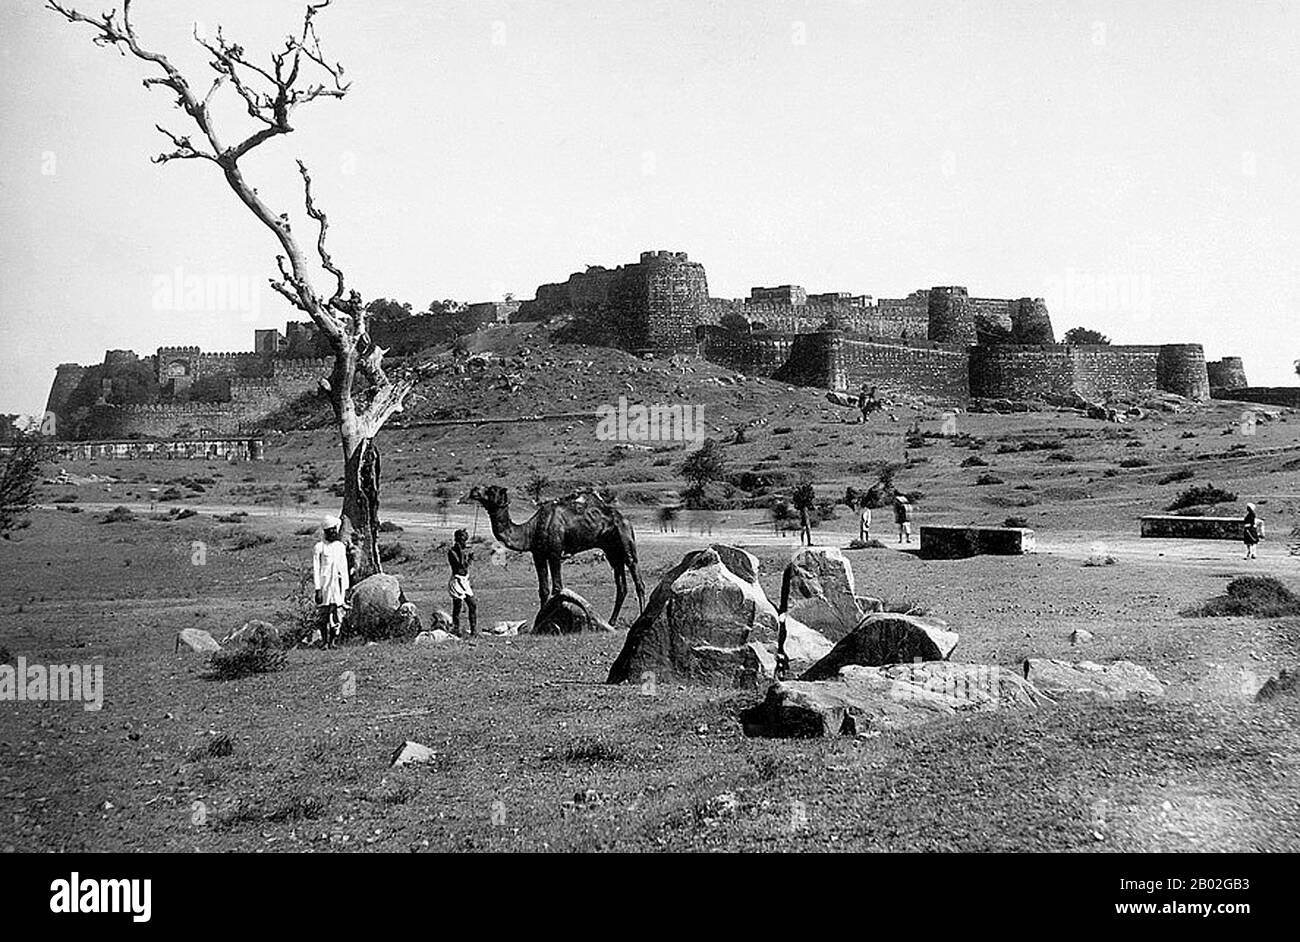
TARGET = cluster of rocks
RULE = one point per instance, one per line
(709, 622)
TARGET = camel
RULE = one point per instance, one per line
(562, 528)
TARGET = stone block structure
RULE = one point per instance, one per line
(1177, 527)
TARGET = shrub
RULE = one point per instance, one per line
(1201, 494)
(245, 661)
(395, 552)
(1060, 456)
(219, 747)
(389, 527)
(591, 749)
(308, 530)
(235, 517)
(1185, 474)
(986, 479)
(118, 514)
(974, 461)
(1256, 596)
(242, 539)
(172, 493)
(1134, 463)
(1015, 522)
(872, 543)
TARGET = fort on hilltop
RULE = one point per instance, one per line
(940, 343)
(936, 342)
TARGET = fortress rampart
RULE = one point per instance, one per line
(1287, 396)
(840, 360)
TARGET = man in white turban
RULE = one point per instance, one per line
(330, 567)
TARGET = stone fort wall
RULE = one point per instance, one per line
(252, 400)
(952, 372)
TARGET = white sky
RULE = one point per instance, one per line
(1134, 163)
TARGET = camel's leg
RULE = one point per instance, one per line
(557, 580)
(620, 587)
(636, 581)
(543, 578)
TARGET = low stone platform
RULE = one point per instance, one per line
(1175, 527)
(940, 542)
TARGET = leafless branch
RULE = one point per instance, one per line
(319, 215)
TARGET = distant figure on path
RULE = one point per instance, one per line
(805, 527)
(667, 519)
(459, 557)
(864, 521)
(1251, 532)
(867, 402)
(330, 570)
(903, 517)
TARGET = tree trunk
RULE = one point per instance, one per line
(361, 467)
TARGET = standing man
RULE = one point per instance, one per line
(330, 568)
(864, 521)
(459, 557)
(903, 517)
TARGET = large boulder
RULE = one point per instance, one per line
(568, 613)
(379, 610)
(698, 624)
(898, 696)
(885, 638)
(1119, 680)
(818, 590)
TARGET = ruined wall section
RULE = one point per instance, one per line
(758, 353)
(839, 360)
(1288, 396)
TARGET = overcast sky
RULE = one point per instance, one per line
(1134, 163)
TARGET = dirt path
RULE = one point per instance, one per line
(750, 529)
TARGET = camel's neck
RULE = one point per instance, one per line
(518, 537)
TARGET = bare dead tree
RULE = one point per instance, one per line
(362, 394)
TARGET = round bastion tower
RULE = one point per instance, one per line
(1228, 373)
(952, 319)
(1030, 323)
(1180, 368)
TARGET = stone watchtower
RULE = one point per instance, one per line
(1030, 323)
(659, 302)
(1228, 373)
(952, 318)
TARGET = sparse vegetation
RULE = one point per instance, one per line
(1252, 596)
(246, 660)
(119, 514)
(1201, 495)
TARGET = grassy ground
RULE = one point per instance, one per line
(534, 752)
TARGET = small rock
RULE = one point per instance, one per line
(1080, 636)
(198, 640)
(412, 753)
